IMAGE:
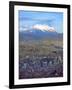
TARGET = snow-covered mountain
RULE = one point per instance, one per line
(39, 31)
(44, 28)
(38, 34)
(39, 28)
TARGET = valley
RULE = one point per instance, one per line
(40, 58)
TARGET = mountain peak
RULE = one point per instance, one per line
(44, 28)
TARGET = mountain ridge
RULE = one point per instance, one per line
(38, 34)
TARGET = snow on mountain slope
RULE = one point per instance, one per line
(43, 28)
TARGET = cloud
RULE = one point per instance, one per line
(24, 28)
(43, 27)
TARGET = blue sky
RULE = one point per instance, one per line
(27, 19)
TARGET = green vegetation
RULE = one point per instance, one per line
(40, 59)
(39, 48)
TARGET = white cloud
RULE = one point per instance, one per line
(43, 27)
(23, 29)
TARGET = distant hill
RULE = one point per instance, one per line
(35, 34)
